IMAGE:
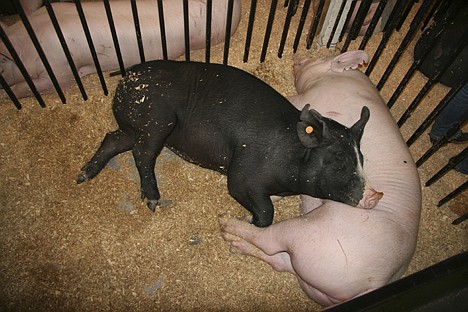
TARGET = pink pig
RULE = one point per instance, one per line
(100, 32)
(335, 252)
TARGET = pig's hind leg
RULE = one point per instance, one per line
(257, 242)
(113, 144)
(280, 261)
(146, 149)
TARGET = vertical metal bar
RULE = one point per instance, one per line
(314, 25)
(453, 194)
(415, 66)
(357, 23)
(227, 37)
(437, 145)
(348, 18)
(187, 31)
(404, 15)
(266, 39)
(445, 65)
(84, 24)
(137, 30)
(162, 29)
(337, 21)
(20, 66)
(39, 50)
(287, 23)
(115, 39)
(409, 35)
(373, 24)
(450, 165)
(10, 93)
(460, 219)
(431, 13)
(388, 29)
(300, 27)
(209, 6)
(432, 116)
(56, 25)
(248, 37)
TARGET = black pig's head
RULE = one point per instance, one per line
(332, 163)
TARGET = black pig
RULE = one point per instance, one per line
(227, 120)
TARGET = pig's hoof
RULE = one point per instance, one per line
(152, 204)
(162, 203)
(82, 177)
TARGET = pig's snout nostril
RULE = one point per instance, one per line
(370, 199)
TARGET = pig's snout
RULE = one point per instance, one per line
(370, 198)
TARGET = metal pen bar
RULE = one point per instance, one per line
(348, 18)
(446, 64)
(84, 24)
(337, 21)
(373, 24)
(409, 35)
(404, 15)
(287, 23)
(248, 37)
(186, 31)
(432, 116)
(388, 29)
(39, 50)
(300, 27)
(450, 165)
(20, 66)
(431, 13)
(65, 48)
(266, 39)
(8, 91)
(415, 66)
(314, 24)
(453, 194)
(357, 23)
(115, 39)
(138, 30)
(437, 145)
(162, 29)
(209, 6)
(460, 219)
(227, 37)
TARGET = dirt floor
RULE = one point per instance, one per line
(95, 246)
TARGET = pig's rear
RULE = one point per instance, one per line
(211, 110)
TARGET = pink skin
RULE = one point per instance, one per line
(367, 20)
(100, 32)
(30, 6)
(337, 252)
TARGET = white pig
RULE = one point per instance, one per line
(100, 32)
(335, 252)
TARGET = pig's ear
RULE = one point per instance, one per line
(311, 127)
(349, 60)
(358, 127)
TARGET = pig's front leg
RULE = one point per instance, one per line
(280, 261)
(113, 144)
(260, 206)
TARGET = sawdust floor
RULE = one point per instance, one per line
(96, 246)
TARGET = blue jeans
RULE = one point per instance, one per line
(455, 111)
